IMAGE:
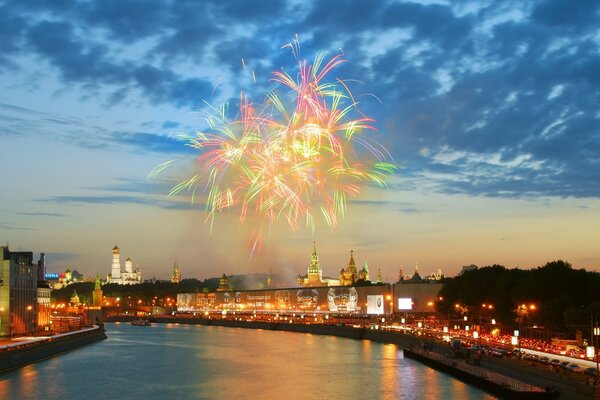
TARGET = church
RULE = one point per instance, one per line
(129, 276)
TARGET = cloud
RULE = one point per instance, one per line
(151, 142)
(123, 199)
(170, 125)
(44, 214)
(476, 79)
(9, 227)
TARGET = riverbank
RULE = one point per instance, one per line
(510, 369)
(18, 354)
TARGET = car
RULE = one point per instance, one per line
(555, 361)
(591, 371)
(498, 352)
(544, 359)
(574, 367)
(564, 364)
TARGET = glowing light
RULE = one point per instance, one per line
(293, 157)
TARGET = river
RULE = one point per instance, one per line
(171, 361)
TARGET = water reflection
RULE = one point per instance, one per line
(215, 362)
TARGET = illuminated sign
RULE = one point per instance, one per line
(375, 304)
(342, 299)
(590, 352)
(53, 275)
(404, 303)
(307, 299)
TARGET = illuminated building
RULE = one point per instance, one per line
(314, 276)
(349, 275)
(363, 274)
(127, 277)
(379, 279)
(176, 275)
(224, 285)
(416, 294)
(97, 293)
(43, 300)
(74, 299)
(18, 293)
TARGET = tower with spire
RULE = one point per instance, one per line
(129, 276)
(115, 271)
(315, 274)
(364, 272)
(97, 293)
(349, 275)
(176, 275)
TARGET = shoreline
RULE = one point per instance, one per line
(19, 354)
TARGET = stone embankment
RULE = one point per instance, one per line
(21, 353)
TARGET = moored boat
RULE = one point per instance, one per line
(141, 322)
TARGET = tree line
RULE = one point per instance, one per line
(556, 296)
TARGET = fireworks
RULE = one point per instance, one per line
(292, 157)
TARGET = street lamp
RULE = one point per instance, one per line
(522, 311)
(596, 334)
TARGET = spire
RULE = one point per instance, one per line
(401, 274)
(314, 254)
(351, 263)
(379, 279)
(97, 283)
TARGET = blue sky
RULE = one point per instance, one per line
(490, 109)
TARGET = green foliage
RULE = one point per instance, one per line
(564, 297)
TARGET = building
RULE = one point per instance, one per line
(129, 276)
(176, 275)
(97, 293)
(349, 275)
(314, 276)
(43, 301)
(18, 293)
(224, 285)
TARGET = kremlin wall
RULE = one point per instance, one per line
(352, 293)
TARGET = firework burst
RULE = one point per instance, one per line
(301, 153)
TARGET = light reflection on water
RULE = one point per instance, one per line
(198, 362)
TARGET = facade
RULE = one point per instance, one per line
(417, 296)
(176, 275)
(43, 302)
(18, 293)
(129, 276)
(97, 293)
(224, 285)
(314, 276)
(349, 275)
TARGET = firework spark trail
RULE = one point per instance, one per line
(295, 157)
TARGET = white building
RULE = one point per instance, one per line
(127, 277)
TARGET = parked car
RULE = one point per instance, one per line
(590, 371)
(574, 367)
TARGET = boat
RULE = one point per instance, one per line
(141, 322)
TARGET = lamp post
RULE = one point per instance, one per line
(523, 310)
(595, 335)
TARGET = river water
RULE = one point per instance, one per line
(171, 361)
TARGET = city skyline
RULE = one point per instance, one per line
(489, 110)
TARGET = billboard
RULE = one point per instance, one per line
(51, 276)
(342, 299)
(404, 303)
(185, 302)
(375, 304)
